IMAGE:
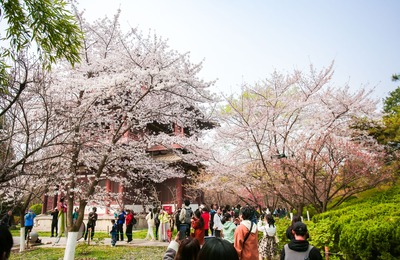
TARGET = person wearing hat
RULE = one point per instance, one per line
(299, 248)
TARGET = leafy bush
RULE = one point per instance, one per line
(362, 229)
(311, 211)
(281, 226)
(36, 208)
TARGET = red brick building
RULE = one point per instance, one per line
(170, 193)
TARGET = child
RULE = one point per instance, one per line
(114, 232)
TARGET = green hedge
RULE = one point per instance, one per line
(36, 208)
(362, 229)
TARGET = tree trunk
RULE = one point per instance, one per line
(22, 230)
(300, 210)
(69, 253)
(22, 238)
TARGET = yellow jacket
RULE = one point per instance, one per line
(164, 217)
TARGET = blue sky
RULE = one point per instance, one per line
(245, 41)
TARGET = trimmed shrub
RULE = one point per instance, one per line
(362, 229)
(36, 208)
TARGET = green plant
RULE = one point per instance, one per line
(94, 252)
(365, 228)
(281, 226)
(98, 241)
(36, 208)
(311, 211)
(83, 249)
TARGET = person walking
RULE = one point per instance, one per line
(114, 232)
(185, 217)
(156, 220)
(150, 225)
(299, 248)
(29, 217)
(246, 236)
(92, 218)
(267, 246)
(289, 233)
(61, 219)
(54, 222)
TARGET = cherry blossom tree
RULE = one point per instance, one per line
(290, 137)
(26, 132)
(26, 128)
(128, 84)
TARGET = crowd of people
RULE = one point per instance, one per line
(233, 233)
(213, 232)
(217, 232)
(122, 218)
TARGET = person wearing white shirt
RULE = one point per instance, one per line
(217, 223)
(268, 243)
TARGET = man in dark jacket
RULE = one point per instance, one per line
(299, 248)
(92, 218)
(7, 220)
(54, 223)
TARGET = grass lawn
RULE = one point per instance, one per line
(94, 251)
(137, 234)
(85, 252)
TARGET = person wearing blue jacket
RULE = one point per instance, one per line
(29, 217)
(120, 224)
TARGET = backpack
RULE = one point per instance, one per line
(291, 254)
(188, 215)
(134, 221)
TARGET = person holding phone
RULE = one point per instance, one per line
(184, 249)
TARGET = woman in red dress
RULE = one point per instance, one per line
(198, 226)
